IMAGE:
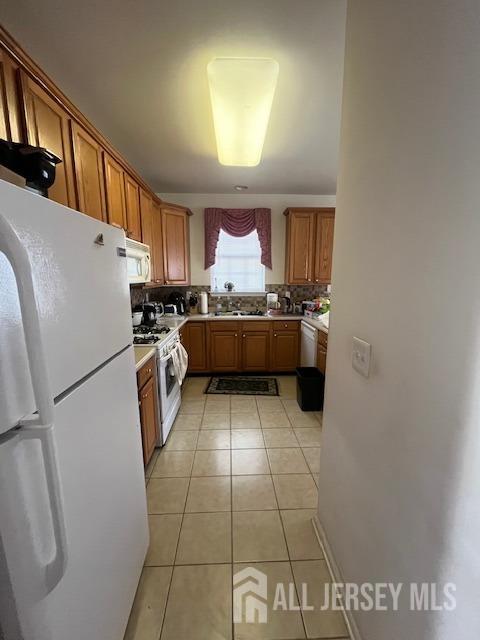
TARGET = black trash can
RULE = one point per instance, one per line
(310, 387)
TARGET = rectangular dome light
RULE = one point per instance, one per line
(241, 91)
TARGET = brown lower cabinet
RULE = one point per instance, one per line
(250, 346)
(147, 401)
(194, 338)
(255, 350)
(322, 342)
(285, 350)
(224, 350)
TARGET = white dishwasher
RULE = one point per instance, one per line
(308, 343)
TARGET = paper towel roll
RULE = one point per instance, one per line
(204, 302)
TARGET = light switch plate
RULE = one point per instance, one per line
(361, 352)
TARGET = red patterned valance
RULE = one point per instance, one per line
(238, 223)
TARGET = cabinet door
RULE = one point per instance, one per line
(146, 217)
(115, 192)
(197, 346)
(300, 247)
(157, 244)
(285, 351)
(148, 418)
(132, 201)
(88, 161)
(47, 125)
(175, 246)
(321, 357)
(324, 248)
(255, 350)
(224, 352)
(10, 121)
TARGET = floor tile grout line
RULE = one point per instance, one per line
(176, 551)
(286, 545)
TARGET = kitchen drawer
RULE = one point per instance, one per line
(145, 372)
(322, 338)
(286, 325)
(224, 325)
(256, 325)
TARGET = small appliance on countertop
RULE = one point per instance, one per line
(149, 314)
(178, 300)
(170, 310)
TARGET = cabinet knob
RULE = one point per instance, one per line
(236, 335)
(274, 335)
(309, 279)
(285, 325)
(166, 281)
(149, 371)
(243, 336)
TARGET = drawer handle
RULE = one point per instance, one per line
(285, 325)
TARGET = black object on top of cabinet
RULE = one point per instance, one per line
(35, 164)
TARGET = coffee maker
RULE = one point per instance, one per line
(178, 300)
(149, 314)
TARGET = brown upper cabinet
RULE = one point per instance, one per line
(92, 177)
(47, 125)
(10, 121)
(309, 245)
(114, 192)
(132, 199)
(176, 258)
(146, 218)
(88, 162)
(157, 244)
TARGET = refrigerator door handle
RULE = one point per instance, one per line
(43, 429)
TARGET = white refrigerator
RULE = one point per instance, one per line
(73, 517)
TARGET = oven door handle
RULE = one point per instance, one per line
(167, 358)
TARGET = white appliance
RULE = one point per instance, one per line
(308, 343)
(138, 261)
(168, 386)
(73, 518)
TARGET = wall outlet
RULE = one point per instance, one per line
(361, 354)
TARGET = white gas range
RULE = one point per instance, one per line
(165, 339)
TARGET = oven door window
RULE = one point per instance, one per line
(170, 379)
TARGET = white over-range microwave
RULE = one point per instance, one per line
(138, 262)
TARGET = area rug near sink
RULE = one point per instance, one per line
(246, 386)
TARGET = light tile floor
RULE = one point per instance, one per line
(235, 486)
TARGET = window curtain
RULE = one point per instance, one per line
(238, 223)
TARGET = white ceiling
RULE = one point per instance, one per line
(138, 71)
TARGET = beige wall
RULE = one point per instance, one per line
(399, 486)
(197, 202)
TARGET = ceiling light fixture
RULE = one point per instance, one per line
(241, 92)
(240, 187)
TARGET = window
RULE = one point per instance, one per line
(238, 260)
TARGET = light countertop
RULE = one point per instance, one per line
(194, 317)
(143, 353)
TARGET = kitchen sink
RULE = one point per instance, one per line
(242, 314)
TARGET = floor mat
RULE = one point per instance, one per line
(247, 386)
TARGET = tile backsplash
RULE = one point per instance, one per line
(244, 303)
